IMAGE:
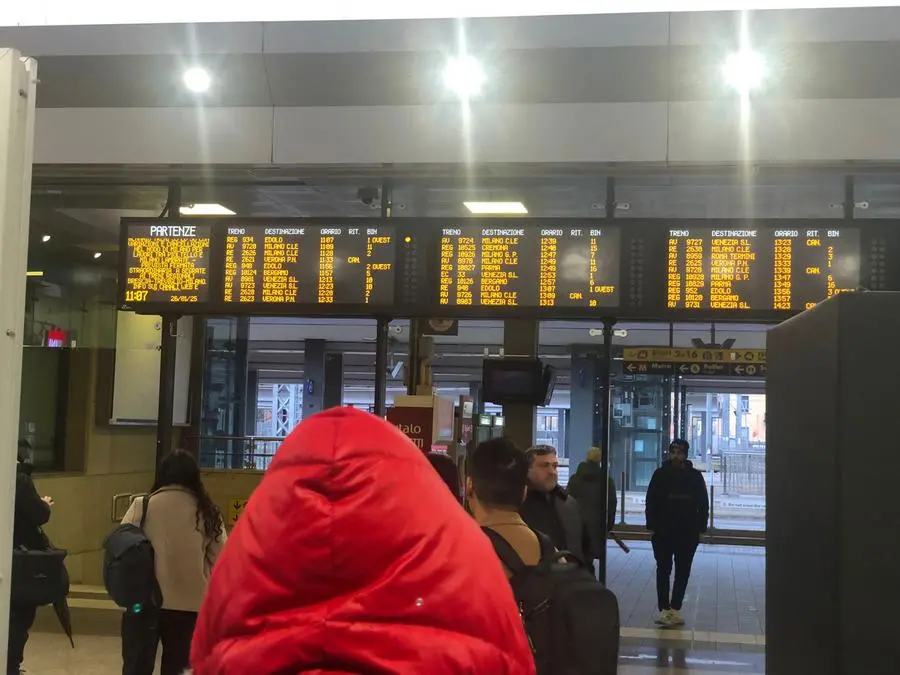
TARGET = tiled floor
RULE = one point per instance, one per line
(725, 609)
(726, 595)
(50, 654)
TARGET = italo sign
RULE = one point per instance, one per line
(417, 423)
(107, 12)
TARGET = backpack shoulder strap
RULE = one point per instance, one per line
(145, 506)
(505, 551)
(549, 554)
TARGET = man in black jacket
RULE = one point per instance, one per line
(677, 513)
(31, 512)
(548, 508)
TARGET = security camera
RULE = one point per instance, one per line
(367, 195)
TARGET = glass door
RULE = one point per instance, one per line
(726, 427)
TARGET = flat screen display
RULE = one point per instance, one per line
(308, 265)
(167, 263)
(529, 266)
(787, 269)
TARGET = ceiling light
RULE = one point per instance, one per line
(744, 70)
(464, 76)
(34, 273)
(206, 210)
(197, 80)
(496, 208)
(98, 255)
(45, 238)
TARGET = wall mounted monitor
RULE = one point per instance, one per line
(749, 269)
(254, 266)
(500, 266)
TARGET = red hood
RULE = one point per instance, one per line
(353, 557)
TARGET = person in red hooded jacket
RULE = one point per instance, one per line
(351, 558)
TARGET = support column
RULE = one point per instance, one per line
(603, 425)
(17, 95)
(520, 338)
(333, 390)
(477, 395)
(251, 401)
(383, 323)
(324, 378)
(168, 345)
(413, 370)
(381, 366)
(585, 366)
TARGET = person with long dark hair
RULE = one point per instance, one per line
(187, 532)
(448, 472)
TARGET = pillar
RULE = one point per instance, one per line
(17, 94)
(585, 370)
(520, 338)
(251, 401)
(477, 394)
(324, 378)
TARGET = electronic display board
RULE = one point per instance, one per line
(525, 265)
(745, 269)
(167, 263)
(309, 265)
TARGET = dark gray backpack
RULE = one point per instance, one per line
(129, 572)
(571, 619)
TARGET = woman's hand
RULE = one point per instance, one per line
(47, 500)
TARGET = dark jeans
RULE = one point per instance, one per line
(142, 633)
(666, 548)
(21, 618)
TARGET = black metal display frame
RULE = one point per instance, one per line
(642, 266)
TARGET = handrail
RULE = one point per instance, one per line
(264, 439)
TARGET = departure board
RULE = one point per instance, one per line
(166, 263)
(529, 266)
(309, 265)
(760, 269)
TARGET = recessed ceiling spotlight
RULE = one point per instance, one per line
(464, 76)
(197, 80)
(45, 238)
(98, 255)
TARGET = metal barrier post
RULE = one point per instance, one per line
(712, 505)
(622, 487)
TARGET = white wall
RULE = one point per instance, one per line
(136, 384)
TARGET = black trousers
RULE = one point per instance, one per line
(142, 634)
(667, 548)
(21, 619)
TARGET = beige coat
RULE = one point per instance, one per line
(510, 526)
(184, 556)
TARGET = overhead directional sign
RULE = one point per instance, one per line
(693, 355)
(695, 362)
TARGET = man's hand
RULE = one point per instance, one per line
(47, 500)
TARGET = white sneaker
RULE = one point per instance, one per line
(675, 618)
(665, 618)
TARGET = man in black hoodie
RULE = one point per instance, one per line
(677, 513)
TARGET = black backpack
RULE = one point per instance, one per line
(571, 619)
(128, 566)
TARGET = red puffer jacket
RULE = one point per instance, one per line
(353, 558)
